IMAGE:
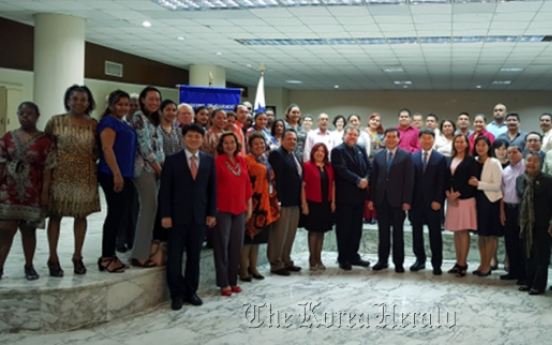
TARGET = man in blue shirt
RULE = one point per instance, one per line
(497, 127)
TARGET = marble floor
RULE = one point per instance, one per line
(323, 307)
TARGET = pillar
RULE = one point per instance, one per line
(58, 61)
(200, 75)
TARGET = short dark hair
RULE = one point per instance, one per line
(215, 111)
(532, 153)
(449, 121)
(286, 130)
(426, 131)
(434, 116)
(258, 114)
(516, 115)
(499, 142)
(405, 110)
(200, 108)
(350, 116)
(545, 114)
(79, 88)
(481, 116)
(490, 151)
(464, 113)
(166, 102)
(193, 127)
(517, 146)
(339, 117)
(220, 149)
(255, 135)
(536, 133)
(392, 129)
(228, 114)
(307, 115)
(349, 127)
(29, 104)
(113, 98)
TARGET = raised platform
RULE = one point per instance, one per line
(54, 304)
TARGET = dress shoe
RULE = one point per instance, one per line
(373, 221)
(535, 292)
(483, 274)
(345, 266)
(321, 267)
(524, 288)
(476, 272)
(194, 300)
(362, 263)
(257, 276)
(226, 292)
(176, 303)
(293, 268)
(522, 282)
(494, 268)
(313, 268)
(437, 271)
(380, 266)
(281, 272)
(236, 289)
(417, 266)
(399, 269)
(507, 277)
(246, 279)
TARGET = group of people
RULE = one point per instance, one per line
(173, 176)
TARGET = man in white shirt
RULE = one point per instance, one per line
(319, 135)
(545, 123)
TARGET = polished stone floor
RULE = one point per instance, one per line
(323, 307)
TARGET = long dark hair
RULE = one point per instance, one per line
(466, 151)
(79, 88)
(113, 99)
(490, 151)
(273, 129)
(154, 118)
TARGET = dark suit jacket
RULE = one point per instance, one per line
(398, 184)
(459, 182)
(181, 197)
(350, 164)
(542, 198)
(429, 186)
(288, 180)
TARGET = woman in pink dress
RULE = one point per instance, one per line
(461, 213)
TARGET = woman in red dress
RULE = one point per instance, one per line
(27, 158)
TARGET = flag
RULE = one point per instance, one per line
(260, 104)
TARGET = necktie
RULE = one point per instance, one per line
(299, 169)
(389, 160)
(193, 166)
(424, 160)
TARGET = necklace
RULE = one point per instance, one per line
(236, 171)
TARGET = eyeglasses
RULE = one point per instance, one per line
(533, 140)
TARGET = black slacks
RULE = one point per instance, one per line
(513, 242)
(538, 260)
(419, 217)
(348, 231)
(118, 208)
(390, 216)
(180, 237)
(127, 228)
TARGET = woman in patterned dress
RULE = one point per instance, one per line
(293, 120)
(27, 158)
(265, 206)
(74, 189)
(211, 138)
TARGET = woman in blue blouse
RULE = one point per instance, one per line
(149, 158)
(115, 173)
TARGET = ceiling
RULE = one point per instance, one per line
(427, 66)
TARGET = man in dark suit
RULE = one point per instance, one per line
(289, 178)
(187, 206)
(352, 168)
(391, 187)
(429, 194)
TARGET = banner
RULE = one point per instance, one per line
(260, 104)
(225, 98)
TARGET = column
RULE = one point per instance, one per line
(201, 75)
(58, 61)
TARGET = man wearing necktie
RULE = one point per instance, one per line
(391, 186)
(352, 168)
(429, 194)
(288, 175)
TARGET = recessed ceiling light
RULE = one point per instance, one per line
(248, 65)
(336, 86)
(219, 53)
(406, 86)
(180, 38)
(502, 82)
(146, 24)
(511, 69)
(402, 82)
(478, 86)
(294, 82)
(393, 70)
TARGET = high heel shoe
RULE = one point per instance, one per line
(482, 274)
(31, 274)
(461, 271)
(236, 289)
(108, 262)
(454, 269)
(78, 266)
(246, 279)
(321, 267)
(55, 269)
(146, 264)
(226, 292)
(257, 276)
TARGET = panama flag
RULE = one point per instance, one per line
(260, 105)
